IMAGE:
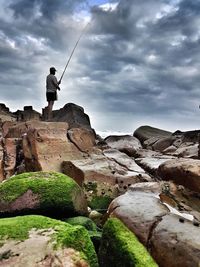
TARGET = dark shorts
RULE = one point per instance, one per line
(51, 96)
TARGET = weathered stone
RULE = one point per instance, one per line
(124, 143)
(125, 161)
(28, 114)
(40, 241)
(151, 164)
(10, 155)
(82, 138)
(146, 153)
(148, 144)
(45, 193)
(190, 151)
(1, 162)
(170, 150)
(139, 211)
(90, 169)
(163, 143)
(5, 114)
(145, 132)
(182, 171)
(176, 244)
(72, 114)
(45, 146)
(105, 168)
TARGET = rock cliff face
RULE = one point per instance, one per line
(150, 181)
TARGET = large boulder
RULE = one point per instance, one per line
(170, 233)
(74, 115)
(139, 211)
(119, 247)
(124, 143)
(182, 171)
(111, 167)
(45, 146)
(41, 241)
(185, 151)
(82, 138)
(176, 244)
(52, 194)
(146, 132)
(163, 143)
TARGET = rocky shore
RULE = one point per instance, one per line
(69, 197)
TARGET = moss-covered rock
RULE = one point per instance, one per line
(56, 238)
(94, 232)
(47, 193)
(83, 221)
(120, 247)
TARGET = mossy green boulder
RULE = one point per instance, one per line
(120, 247)
(41, 241)
(94, 232)
(47, 193)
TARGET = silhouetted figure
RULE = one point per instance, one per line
(52, 85)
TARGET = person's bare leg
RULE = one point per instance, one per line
(50, 108)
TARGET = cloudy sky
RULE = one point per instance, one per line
(138, 62)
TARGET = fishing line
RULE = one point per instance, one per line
(82, 33)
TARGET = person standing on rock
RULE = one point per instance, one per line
(52, 85)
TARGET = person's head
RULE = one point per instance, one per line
(52, 70)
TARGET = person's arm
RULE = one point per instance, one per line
(56, 83)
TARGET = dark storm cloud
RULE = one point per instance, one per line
(47, 9)
(160, 43)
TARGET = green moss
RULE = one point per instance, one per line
(83, 221)
(94, 233)
(54, 190)
(120, 247)
(100, 202)
(65, 235)
(90, 186)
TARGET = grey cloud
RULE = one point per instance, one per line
(138, 61)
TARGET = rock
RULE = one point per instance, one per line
(125, 161)
(82, 138)
(45, 146)
(83, 221)
(1, 162)
(182, 171)
(163, 143)
(90, 226)
(146, 153)
(176, 244)
(120, 247)
(170, 150)
(10, 156)
(145, 132)
(151, 164)
(124, 143)
(28, 114)
(111, 167)
(5, 114)
(72, 114)
(50, 194)
(139, 211)
(187, 151)
(167, 232)
(41, 241)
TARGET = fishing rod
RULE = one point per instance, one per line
(83, 31)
